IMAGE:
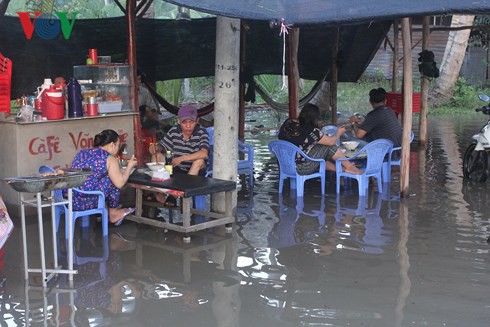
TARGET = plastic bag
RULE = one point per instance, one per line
(25, 113)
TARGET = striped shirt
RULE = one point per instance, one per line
(174, 141)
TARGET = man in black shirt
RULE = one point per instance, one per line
(380, 123)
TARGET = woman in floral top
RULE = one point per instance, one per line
(306, 135)
(106, 175)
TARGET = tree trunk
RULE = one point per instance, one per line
(454, 54)
(322, 99)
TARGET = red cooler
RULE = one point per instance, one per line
(53, 103)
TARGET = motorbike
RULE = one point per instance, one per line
(475, 161)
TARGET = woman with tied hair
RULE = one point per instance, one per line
(305, 133)
(106, 175)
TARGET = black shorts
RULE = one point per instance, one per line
(177, 170)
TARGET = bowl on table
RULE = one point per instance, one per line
(350, 145)
(156, 166)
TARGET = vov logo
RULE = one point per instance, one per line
(47, 26)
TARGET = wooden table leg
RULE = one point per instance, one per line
(139, 201)
(186, 212)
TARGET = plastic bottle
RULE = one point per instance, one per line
(124, 157)
(168, 161)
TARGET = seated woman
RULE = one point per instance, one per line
(306, 135)
(106, 175)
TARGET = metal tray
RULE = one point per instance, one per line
(35, 184)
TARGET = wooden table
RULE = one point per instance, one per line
(189, 186)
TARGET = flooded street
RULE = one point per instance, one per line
(331, 260)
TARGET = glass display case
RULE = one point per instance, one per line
(111, 85)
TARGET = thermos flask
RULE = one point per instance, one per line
(74, 99)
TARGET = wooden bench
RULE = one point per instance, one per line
(186, 186)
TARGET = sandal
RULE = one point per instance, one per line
(127, 211)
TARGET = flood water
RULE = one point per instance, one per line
(327, 260)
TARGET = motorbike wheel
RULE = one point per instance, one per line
(475, 164)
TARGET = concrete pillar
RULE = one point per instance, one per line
(226, 92)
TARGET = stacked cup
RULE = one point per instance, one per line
(92, 107)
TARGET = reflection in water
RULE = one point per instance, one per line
(404, 264)
(332, 260)
(360, 226)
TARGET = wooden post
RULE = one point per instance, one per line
(130, 16)
(335, 76)
(226, 85)
(293, 73)
(394, 78)
(407, 106)
(424, 87)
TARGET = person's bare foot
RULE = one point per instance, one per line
(116, 214)
(161, 197)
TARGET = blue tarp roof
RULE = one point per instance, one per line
(334, 11)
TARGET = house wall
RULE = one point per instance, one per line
(474, 68)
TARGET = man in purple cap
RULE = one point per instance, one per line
(189, 143)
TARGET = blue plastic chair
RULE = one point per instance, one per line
(286, 153)
(59, 210)
(330, 130)
(376, 152)
(393, 162)
(245, 166)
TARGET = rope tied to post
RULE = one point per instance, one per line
(283, 31)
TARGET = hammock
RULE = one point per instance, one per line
(285, 106)
(174, 109)
(254, 87)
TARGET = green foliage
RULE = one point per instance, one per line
(465, 95)
(271, 84)
(85, 9)
(200, 89)
(354, 97)
(170, 90)
(464, 101)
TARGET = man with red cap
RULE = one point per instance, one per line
(189, 143)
